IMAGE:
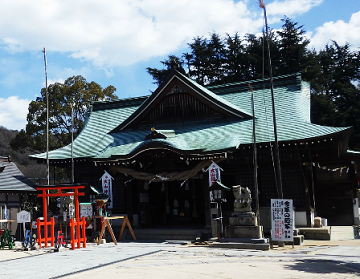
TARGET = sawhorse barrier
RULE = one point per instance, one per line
(107, 224)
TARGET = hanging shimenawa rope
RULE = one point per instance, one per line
(164, 176)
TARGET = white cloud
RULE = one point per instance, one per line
(116, 33)
(339, 31)
(291, 7)
(113, 33)
(13, 112)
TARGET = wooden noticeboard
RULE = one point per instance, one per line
(86, 210)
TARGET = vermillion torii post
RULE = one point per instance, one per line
(45, 194)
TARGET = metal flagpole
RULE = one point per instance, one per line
(47, 121)
(278, 179)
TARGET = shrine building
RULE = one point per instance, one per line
(157, 149)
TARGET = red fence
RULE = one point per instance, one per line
(46, 238)
(80, 233)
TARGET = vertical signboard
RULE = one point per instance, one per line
(282, 219)
(106, 181)
(214, 173)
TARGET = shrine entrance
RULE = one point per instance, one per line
(168, 204)
(166, 190)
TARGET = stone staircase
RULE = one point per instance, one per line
(298, 238)
(165, 234)
(328, 233)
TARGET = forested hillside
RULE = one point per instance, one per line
(28, 167)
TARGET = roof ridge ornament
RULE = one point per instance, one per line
(176, 89)
(155, 135)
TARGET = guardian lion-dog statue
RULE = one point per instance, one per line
(243, 199)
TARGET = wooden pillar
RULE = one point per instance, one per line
(205, 185)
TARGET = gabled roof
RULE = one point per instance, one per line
(176, 80)
(11, 178)
(116, 129)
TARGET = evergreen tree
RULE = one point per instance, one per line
(217, 56)
(198, 60)
(257, 60)
(292, 48)
(338, 83)
(172, 62)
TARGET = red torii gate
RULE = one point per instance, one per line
(45, 194)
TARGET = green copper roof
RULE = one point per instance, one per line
(292, 102)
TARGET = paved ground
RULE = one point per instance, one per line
(337, 258)
(328, 259)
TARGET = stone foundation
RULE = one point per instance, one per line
(243, 232)
(244, 220)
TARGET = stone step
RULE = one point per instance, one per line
(298, 240)
(166, 234)
(323, 233)
(342, 233)
(236, 245)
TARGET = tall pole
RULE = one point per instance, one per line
(72, 144)
(278, 179)
(47, 121)
(255, 162)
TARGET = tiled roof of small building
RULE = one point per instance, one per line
(11, 178)
(292, 102)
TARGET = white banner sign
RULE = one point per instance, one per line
(282, 219)
(214, 173)
(106, 182)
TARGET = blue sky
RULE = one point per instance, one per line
(112, 42)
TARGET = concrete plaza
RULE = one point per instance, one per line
(328, 259)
